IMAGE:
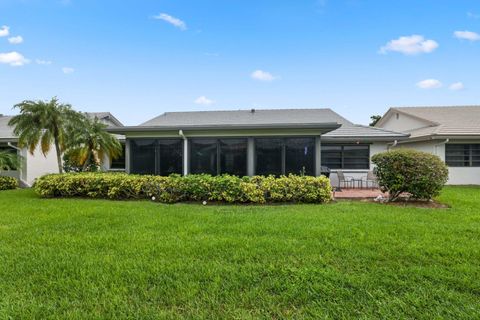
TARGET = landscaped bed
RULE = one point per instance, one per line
(76, 258)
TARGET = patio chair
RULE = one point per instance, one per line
(342, 178)
(371, 179)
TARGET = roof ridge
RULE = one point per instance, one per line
(247, 110)
(436, 106)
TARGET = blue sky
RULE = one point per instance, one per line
(138, 59)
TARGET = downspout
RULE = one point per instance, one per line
(19, 177)
(393, 145)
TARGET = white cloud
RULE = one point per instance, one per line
(43, 62)
(456, 86)
(429, 84)
(204, 101)
(262, 75)
(473, 15)
(13, 58)
(4, 31)
(67, 70)
(15, 40)
(172, 20)
(467, 35)
(410, 45)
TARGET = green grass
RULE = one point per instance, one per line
(72, 258)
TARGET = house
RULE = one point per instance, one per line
(253, 142)
(452, 133)
(37, 164)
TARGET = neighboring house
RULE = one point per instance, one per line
(253, 142)
(452, 133)
(32, 165)
(35, 165)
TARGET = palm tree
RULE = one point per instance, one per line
(90, 143)
(8, 160)
(44, 123)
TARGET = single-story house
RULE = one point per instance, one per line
(35, 165)
(452, 133)
(253, 142)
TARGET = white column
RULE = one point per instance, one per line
(127, 155)
(185, 156)
(318, 156)
(251, 157)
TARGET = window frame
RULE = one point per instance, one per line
(468, 156)
(342, 155)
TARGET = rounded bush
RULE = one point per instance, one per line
(422, 175)
(176, 188)
(8, 183)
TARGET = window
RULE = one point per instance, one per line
(279, 156)
(218, 156)
(156, 156)
(462, 155)
(346, 156)
(9, 150)
(119, 163)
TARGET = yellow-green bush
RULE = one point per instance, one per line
(7, 183)
(176, 188)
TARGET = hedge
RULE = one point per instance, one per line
(8, 183)
(405, 171)
(176, 188)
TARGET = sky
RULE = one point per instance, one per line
(138, 59)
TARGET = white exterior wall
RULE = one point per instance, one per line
(375, 148)
(37, 165)
(456, 175)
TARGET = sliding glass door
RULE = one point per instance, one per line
(279, 156)
(156, 156)
(218, 156)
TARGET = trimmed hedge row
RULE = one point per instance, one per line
(8, 183)
(176, 188)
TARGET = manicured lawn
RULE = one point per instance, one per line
(65, 258)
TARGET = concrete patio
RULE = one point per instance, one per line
(348, 193)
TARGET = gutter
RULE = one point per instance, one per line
(329, 125)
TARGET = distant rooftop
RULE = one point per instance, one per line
(105, 116)
(445, 121)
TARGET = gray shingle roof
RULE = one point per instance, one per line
(246, 117)
(445, 121)
(104, 116)
(268, 118)
(6, 132)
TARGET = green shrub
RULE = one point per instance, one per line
(176, 188)
(8, 183)
(420, 174)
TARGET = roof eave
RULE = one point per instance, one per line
(327, 127)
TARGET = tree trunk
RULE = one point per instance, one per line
(86, 163)
(59, 156)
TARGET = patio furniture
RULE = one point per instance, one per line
(371, 180)
(342, 178)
